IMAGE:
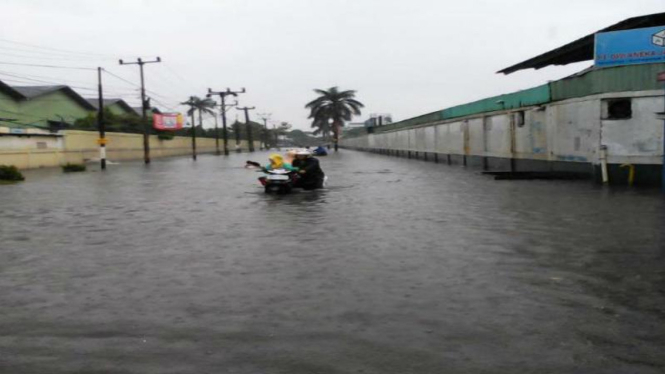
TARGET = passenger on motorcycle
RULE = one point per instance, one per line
(277, 162)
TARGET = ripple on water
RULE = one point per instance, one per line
(398, 266)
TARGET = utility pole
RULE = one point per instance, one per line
(250, 140)
(100, 121)
(193, 110)
(217, 152)
(265, 117)
(222, 96)
(276, 139)
(146, 128)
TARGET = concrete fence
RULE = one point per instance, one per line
(36, 151)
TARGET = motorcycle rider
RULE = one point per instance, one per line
(309, 170)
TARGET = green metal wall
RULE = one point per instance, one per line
(528, 97)
(615, 79)
(411, 122)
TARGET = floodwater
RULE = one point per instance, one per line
(400, 266)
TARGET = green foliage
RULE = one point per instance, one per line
(165, 135)
(10, 173)
(73, 168)
(128, 123)
(329, 111)
(195, 104)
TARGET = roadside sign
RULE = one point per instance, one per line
(168, 121)
(627, 47)
(661, 76)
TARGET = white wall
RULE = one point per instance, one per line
(570, 130)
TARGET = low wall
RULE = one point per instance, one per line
(81, 146)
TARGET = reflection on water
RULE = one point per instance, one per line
(399, 266)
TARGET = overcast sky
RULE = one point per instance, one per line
(405, 57)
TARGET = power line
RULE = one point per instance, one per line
(121, 78)
(24, 79)
(4, 54)
(153, 93)
(47, 66)
(48, 53)
(27, 81)
(54, 49)
(175, 73)
(64, 81)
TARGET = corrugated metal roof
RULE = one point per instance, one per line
(95, 102)
(32, 92)
(35, 91)
(111, 101)
(582, 49)
(614, 79)
(10, 91)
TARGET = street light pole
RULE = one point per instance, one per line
(222, 96)
(100, 121)
(250, 140)
(146, 129)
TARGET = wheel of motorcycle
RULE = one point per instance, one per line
(284, 189)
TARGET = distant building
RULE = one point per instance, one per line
(379, 119)
(116, 106)
(48, 108)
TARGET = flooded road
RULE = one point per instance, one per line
(400, 266)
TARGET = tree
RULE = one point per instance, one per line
(195, 104)
(127, 123)
(333, 107)
(322, 127)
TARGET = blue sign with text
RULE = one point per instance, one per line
(637, 46)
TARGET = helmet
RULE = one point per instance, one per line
(303, 152)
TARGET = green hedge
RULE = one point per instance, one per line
(10, 173)
(72, 168)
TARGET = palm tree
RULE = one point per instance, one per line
(322, 127)
(195, 104)
(333, 107)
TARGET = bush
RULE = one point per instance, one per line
(10, 173)
(165, 136)
(72, 168)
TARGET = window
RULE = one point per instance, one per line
(619, 109)
(487, 123)
(41, 145)
(519, 118)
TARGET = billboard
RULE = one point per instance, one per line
(167, 121)
(628, 47)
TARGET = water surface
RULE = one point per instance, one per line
(400, 266)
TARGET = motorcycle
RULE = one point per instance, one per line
(279, 181)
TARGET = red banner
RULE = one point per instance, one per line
(167, 121)
(661, 76)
